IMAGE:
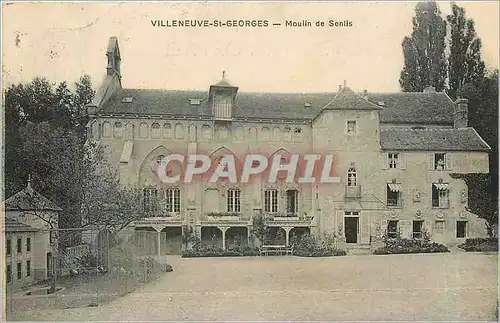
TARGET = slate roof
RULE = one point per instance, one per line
(462, 139)
(29, 199)
(427, 108)
(12, 225)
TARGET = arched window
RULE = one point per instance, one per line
(206, 132)
(297, 134)
(287, 134)
(155, 130)
(179, 131)
(276, 134)
(143, 130)
(129, 131)
(252, 134)
(265, 134)
(351, 177)
(106, 130)
(117, 129)
(167, 131)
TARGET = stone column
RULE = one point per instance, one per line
(287, 234)
(223, 230)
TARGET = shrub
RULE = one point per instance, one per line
(212, 251)
(309, 246)
(480, 244)
(400, 245)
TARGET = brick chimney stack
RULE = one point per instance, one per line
(461, 113)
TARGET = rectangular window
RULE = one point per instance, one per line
(393, 160)
(292, 202)
(8, 246)
(351, 127)
(19, 245)
(28, 268)
(461, 229)
(351, 213)
(439, 226)
(417, 229)
(394, 194)
(9, 273)
(392, 228)
(173, 200)
(271, 201)
(233, 201)
(149, 200)
(440, 195)
(439, 161)
(19, 271)
(28, 244)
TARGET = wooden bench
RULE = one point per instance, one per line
(267, 249)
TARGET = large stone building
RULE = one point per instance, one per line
(394, 153)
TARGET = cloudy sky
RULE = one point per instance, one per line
(62, 41)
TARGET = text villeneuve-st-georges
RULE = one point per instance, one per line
(206, 23)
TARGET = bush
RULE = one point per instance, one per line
(480, 244)
(211, 251)
(400, 245)
(308, 246)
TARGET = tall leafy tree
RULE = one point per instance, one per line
(465, 63)
(424, 50)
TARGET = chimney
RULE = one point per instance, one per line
(430, 89)
(365, 94)
(460, 115)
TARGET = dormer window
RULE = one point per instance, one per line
(381, 103)
(195, 101)
(127, 99)
(221, 98)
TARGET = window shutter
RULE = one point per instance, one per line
(402, 157)
(430, 159)
(383, 227)
(384, 160)
(449, 161)
(428, 226)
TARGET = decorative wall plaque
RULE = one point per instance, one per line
(418, 214)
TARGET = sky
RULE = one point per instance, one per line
(62, 41)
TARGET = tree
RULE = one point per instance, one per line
(424, 50)
(465, 63)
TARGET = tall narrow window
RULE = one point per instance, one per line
(19, 245)
(351, 177)
(392, 228)
(8, 246)
(394, 194)
(233, 201)
(28, 268)
(351, 127)
(19, 270)
(461, 229)
(292, 202)
(439, 161)
(417, 229)
(9, 273)
(149, 200)
(440, 195)
(28, 244)
(393, 160)
(271, 201)
(173, 200)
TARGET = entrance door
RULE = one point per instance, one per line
(351, 229)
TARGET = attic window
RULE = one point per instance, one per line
(381, 103)
(418, 128)
(127, 99)
(307, 105)
(195, 101)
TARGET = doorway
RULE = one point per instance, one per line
(351, 229)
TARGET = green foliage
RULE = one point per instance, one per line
(424, 50)
(465, 63)
(259, 228)
(309, 246)
(212, 251)
(400, 245)
(480, 244)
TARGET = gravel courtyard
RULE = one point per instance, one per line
(451, 287)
